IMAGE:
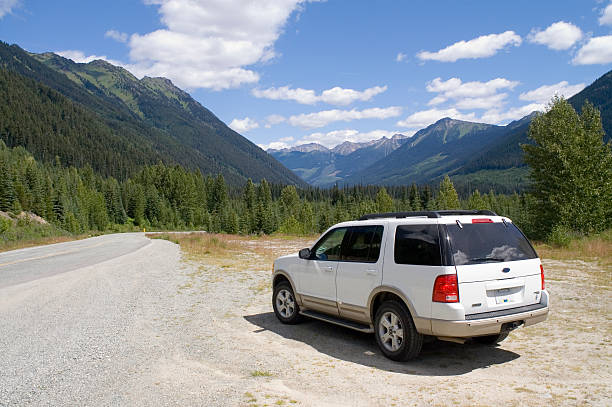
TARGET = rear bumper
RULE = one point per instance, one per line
(487, 326)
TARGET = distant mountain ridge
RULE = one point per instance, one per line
(475, 155)
(159, 121)
(322, 166)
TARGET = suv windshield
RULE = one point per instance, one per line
(488, 242)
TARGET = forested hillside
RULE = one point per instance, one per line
(150, 113)
(170, 197)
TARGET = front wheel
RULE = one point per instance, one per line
(285, 306)
(395, 332)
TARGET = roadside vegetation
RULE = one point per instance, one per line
(571, 194)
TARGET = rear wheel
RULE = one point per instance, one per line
(395, 332)
(492, 339)
(285, 306)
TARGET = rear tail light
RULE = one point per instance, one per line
(542, 276)
(482, 220)
(446, 289)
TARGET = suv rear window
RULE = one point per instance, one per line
(417, 244)
(488, 242)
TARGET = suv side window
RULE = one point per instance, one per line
(363, 244)
(328, 248)
(417, 244)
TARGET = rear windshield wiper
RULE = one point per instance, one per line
(487, 259)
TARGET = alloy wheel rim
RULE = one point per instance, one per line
(391, 331)
(285, 304)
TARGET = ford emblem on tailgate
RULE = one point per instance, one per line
(506, 270)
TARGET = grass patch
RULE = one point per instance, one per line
(261, 373)
(597, 247)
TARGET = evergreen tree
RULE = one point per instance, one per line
(7, 191)
(571, 169)
(384, 203)
(415, 198)
(447, 195)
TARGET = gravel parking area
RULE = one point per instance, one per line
(163, 327)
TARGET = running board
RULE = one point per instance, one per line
(342, 322)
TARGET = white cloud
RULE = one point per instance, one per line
(598, 50)
(401, 57)
(281, 143)
(424, 118)
(495, 116)
(333, 138)
(481, 47)
(470, 95)
(486, 102)
(116, 35)
(606, 16)
(325, 117)
(210, 43)
(243, 125)
(6, 6)
(81, 58)
(273, 119)
(557, 36)
(544, 93)
(334, 96)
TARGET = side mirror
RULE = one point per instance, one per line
(304, 254)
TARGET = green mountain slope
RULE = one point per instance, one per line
(432, 152)
(153, 113)
(507, 153)
(49, 125)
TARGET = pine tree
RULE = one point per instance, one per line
(447, 195)
(384, 203)
(7, 191)
(415, 198)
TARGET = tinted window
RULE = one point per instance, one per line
(417, 244)
(329, 246)
(363, 244)
(488, 242)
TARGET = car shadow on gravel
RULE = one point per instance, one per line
(438, 358)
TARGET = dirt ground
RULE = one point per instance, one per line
(236, 346)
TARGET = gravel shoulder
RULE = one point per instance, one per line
(160, 327)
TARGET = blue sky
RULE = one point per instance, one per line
(287, 72)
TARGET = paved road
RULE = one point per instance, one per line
(21, 266)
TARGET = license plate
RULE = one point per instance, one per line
(503, 296)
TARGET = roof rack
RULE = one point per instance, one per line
(429, 214)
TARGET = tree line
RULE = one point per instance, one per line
(572, 192)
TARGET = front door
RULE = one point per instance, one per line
(317, 277)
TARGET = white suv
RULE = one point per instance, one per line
(453, 275)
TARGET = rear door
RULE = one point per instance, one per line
(359, 270)
(497, 268)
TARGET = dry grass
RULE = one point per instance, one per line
(226, 250)
(22, 244)
(596, 248)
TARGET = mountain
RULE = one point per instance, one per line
(320, 166)
(150, 118)
(431, 152)
(475, 155)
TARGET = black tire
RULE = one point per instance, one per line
(411, 342)
(286, 307)
(491, 339)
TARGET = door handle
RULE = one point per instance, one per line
(372, 272)
(328, 268)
